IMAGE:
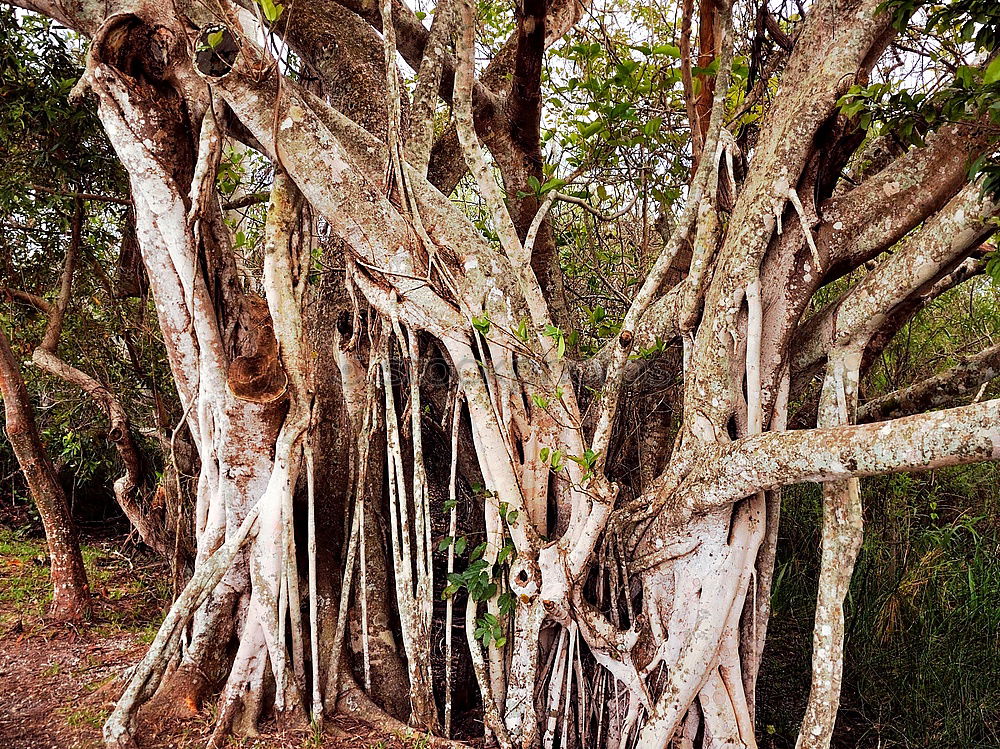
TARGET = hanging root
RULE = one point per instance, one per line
(806, 231)
(120, 726)
(491, 712)
(356, 533)
(412, 591)
(317, 696)
(452, 530)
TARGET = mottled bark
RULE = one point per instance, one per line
(698, 538)
(70, 592)
(968, 377)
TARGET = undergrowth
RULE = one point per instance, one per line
(923, 615)
(129, 589)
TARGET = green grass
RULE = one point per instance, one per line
(125, 601)
(85, 717)
(25, 592)
(923, 626)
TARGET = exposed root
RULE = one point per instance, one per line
(120, 726)
(179, 696)
(352, 701)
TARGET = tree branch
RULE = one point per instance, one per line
(906, 192)
(81, 195)
(58, 311)
(726, 473)
(42, 305)
(425, 95)
(942, 389)
(245, 201)
(860, 312)
(524, 105)
(844, 38)
(491, 114)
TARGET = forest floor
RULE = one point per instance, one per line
(59, 682)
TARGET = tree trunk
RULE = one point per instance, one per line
(70, 592)
(595, 612)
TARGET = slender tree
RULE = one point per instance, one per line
(70, 591)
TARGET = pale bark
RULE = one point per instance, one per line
(698, 540)
(967, 377)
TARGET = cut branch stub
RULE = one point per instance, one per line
(259, 377)
(216, 51)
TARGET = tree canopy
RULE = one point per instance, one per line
(465, 352)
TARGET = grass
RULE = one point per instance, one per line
(125, 599)
(923, 615)
(85, 717)
(25, 592)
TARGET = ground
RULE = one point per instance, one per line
(60, 682)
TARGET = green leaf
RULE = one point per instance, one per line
(505, 552)
(667, 49)
(482, 323)
(992, 74)
(214, 39)
(272, 11)
(592, 128)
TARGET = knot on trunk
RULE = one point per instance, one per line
(525, 579)
(258, 376)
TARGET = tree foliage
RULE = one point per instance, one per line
(546, 305)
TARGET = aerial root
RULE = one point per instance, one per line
(119, 728)
(353, 702)
(793, 197)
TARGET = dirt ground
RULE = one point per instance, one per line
(58, 683)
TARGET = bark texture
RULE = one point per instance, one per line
(593, 609)
(70, 591)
